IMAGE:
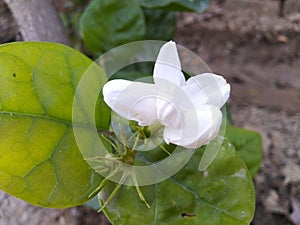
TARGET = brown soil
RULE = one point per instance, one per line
(259, 53)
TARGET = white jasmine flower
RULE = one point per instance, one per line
(189, 111)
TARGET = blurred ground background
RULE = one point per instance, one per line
(255, 45)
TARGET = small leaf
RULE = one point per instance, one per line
(39, 158)
(248, 145)
(190, 197)
(106, 24)
(161, 24)
(180, 5)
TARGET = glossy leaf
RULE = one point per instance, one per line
(39, 158)
(210, 153)
(161, 24)
(248, 144)
(106, 24)
(223, 194)
(131, 74)
(180, 5)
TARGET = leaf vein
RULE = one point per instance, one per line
(205, 201)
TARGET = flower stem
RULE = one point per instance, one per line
(156, 126)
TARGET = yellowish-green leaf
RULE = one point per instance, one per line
(39, 158)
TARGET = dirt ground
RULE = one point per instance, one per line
(258, 52)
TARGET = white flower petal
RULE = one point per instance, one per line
(167, 65)
(167, 114)
(208, 88)
(132, 100)
(197, 127)
(170, 98)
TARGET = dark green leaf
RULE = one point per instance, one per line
(161, 24)
(248, 145)
(106, 24)
(129, 74)
(180, 5)
(228, 114)
(223, 194)
(39, 158)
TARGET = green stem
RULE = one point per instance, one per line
(156, 126)
(120, 183)
(140, 193)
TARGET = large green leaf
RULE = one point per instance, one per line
(39, 158)
(106, 24)
(223, 194)
(180, 5)
(161, 24)
(248, 144)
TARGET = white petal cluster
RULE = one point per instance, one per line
(188, 110)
